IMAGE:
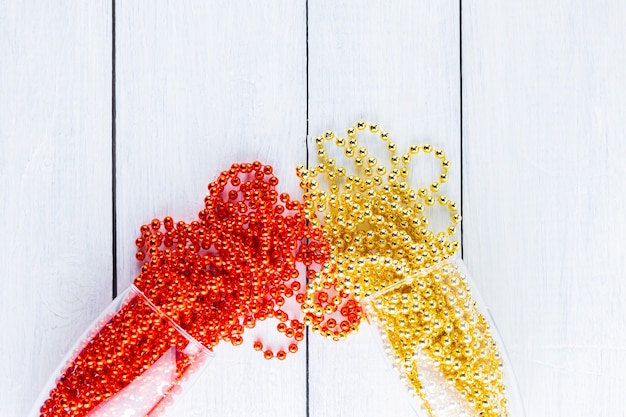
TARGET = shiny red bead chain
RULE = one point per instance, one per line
(213, 277)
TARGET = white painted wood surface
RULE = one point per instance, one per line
(55, 186)
(397, 66)
(199, 88)
(544, 137)
(205, 84)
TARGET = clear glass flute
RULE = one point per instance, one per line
(440, 337)
(130, 362)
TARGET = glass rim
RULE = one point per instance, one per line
(410, 278)
(206, 350)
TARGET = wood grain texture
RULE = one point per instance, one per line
(543, 194)
(55, 193)
(397, 65)
(201, 86)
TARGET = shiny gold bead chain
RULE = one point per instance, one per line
(386, 258)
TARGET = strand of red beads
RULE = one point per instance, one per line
(213, 278)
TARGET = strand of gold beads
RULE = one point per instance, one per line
(384, 256)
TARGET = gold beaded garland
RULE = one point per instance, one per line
(386, 257)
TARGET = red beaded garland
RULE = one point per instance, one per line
(213, 277)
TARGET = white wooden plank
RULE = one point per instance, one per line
(396, 65)
(543, 194)
(55, 176)
(202, 85)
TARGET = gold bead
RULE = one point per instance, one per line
(384, 135)
(373, 128)
(361, 125)
(427, 148)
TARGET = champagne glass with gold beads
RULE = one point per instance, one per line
(392, 265)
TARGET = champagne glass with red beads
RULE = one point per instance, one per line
(201, 283)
